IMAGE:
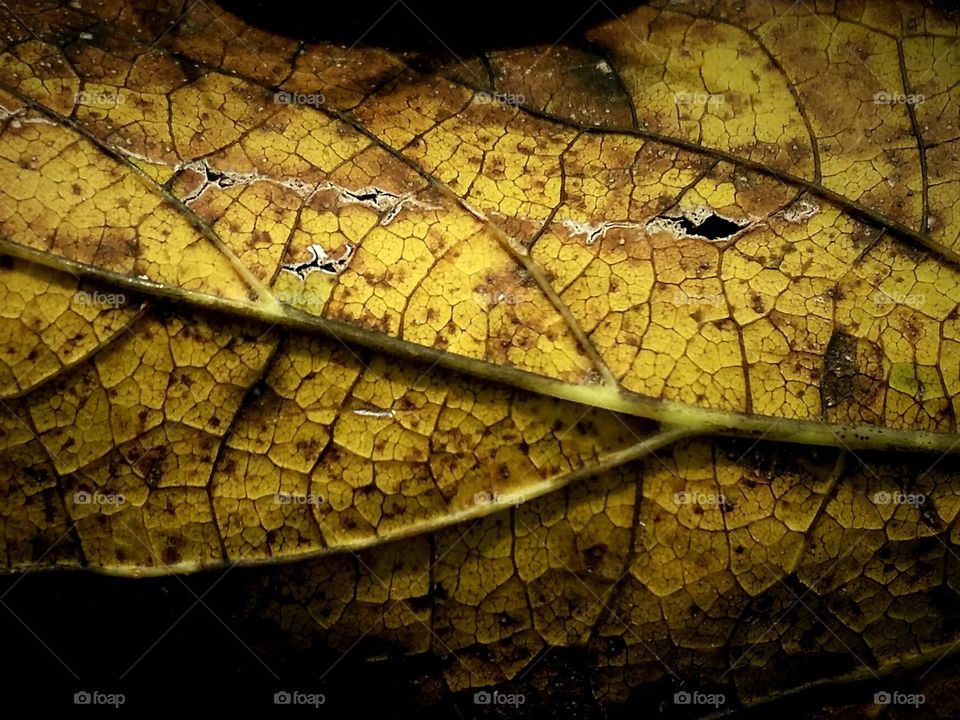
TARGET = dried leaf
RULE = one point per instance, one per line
(453, 324)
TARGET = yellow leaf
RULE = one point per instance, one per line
(643, 347)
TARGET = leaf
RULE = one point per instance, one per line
(265, 300)
(192, 440)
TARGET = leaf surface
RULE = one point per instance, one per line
(265, 300)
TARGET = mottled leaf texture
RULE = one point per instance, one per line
(640, 348)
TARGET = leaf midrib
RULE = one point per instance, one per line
(671, 414)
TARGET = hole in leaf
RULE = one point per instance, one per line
(700, 222)
(712, 227)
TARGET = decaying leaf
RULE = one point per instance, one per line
(643, 346)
